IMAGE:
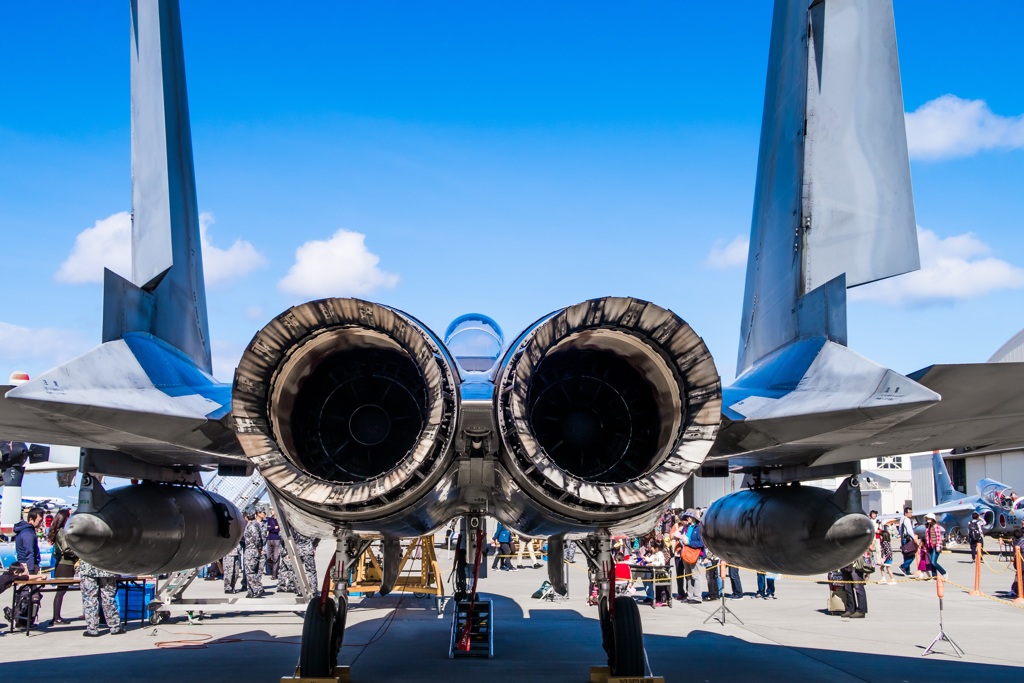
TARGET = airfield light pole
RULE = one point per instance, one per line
(940, 591)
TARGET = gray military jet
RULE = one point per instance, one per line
(999, 508)
(588, 423)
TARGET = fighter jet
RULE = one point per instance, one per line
(361, 419)
(1000, 509)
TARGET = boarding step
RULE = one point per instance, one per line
(481, 632)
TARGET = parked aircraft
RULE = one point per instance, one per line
(1001, 510)
(18, 459)
(588, 423)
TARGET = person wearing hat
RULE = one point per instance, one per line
(254, 540)
(690, 549)
(933, 543)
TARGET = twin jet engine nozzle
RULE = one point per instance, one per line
(601, 411)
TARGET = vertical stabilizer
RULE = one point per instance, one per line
(943, 484)
(167, 296)
(833, 193)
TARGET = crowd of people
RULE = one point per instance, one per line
(681, 565)
(260, 553)
(263, 553)
(675, 546)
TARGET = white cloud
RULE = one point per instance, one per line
(225, 356)
(730, 256)
(952, 127)
(339, 266)
(108, 244)
(36, 349)
(238, 260)
(952, 269)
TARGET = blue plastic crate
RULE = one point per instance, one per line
(137, 600)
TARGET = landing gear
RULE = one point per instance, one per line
(323, 627)
(622, 634)
(956, 537)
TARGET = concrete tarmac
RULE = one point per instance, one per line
(399, 637)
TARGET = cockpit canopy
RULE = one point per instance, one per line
(476, 342)
(996, 494)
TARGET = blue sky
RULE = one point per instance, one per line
(507, 158)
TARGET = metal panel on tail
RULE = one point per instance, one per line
(833, 192)
(858, 207)
(167, 296)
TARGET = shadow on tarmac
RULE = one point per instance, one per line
(548, 644)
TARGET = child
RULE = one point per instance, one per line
(885, 569)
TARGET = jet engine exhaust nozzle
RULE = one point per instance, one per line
(347, 407)
(606, 406)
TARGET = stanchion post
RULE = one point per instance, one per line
(1020, 579)
(977, 571)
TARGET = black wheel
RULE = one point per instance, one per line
(338, 636)
(315, 657)
(628, 635)
(607, 634)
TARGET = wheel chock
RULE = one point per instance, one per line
(341, 674)
(602, 674)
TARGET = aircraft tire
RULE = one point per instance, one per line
(629, 638)
(607, 634)
(315, 660)
(338, 635)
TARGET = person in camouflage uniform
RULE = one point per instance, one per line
(254, 541)
(99, 589)
(286, 573)
(266, 538)
(306, 548)
(232, 569)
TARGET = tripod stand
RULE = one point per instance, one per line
(723, 612)
(942, 633)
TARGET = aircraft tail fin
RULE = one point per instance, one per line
(833, 196)
(944, 491)
(167, 294)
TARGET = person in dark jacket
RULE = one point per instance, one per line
(26, 544)
(503, 538)
(274, 544)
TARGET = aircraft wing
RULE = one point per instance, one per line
(954, 507)
(977, 406)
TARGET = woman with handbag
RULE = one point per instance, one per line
(64, 558)
(688, 562)
(933, 543)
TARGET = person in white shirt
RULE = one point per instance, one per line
(908, 541)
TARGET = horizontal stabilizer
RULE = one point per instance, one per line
(137, 393)
(808, 398)
(981, 408)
